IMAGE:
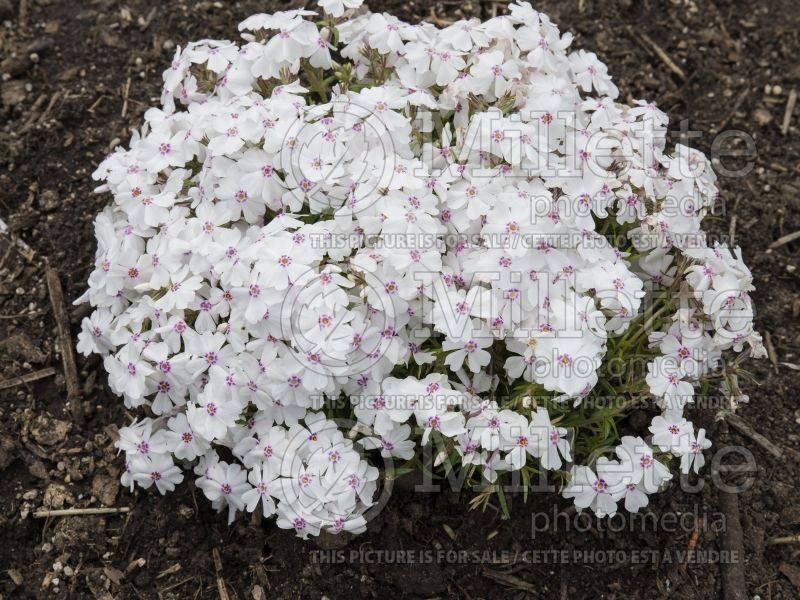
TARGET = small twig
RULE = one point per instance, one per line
(23, 13)
(787, 115)
(437, 20)
(221, 589)
(660, 53)
(33, 117)
(773, 356)
(22, 315)
(27, 378)
(77, 512)
(126, 89)
(744, 428)
(510, 580)
(65, 342)
(148, 19)
(731, 542)
(178, 584)
(55, 98)
(96, 104)
(724, 123)
(784, 541)
(169, 571)
(785, 239)
(732, 230)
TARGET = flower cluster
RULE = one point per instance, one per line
(341, 240)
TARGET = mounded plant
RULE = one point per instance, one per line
(346, 238)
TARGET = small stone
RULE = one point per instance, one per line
(56, 496)
(762, 116)
(13, 92)
(777, 90)
(15, 575)
(48, 201)
(105, 488)
(49, 432)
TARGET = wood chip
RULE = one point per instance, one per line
(659, 52)
(787, 115)
(27, 378)
(511, 581)
(15, 576)
(744, 428)
(221, 588)
(79, 512)
(65, 342)
(785, 239)
(792, 573)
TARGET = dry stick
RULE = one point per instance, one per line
(731, 538)
(732, 112)
(22, 19)
(659, 52)
(221, 589)
(50, 106)
(785, 239)
(773, 356)
(126, 89)
(744, 428)
(65, 342)
(27, 378)
(510, 580)
(174, 585)
(782, 541)
(77, 512)
(731, 544)
(787, 115)
(169, 571)
(22, 315)
(33, 116)
(732, 230)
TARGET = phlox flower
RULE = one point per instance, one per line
(158, 469)
(595, 490)
(225, 485)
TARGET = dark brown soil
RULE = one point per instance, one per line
(82, 75)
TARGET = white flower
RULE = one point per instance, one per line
(595, 491)
(183, 442)
(670, 431)
(336, 8)
(155, 469)
(692, 451)
(225, 485)
(261, 478)
(551, 441)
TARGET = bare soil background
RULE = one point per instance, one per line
(77, 77)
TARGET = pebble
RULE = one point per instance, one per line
(13, 92)
(762, 116)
